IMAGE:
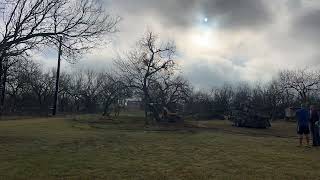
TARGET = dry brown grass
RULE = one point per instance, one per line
(76, 148)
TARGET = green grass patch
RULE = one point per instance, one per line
(91, 147)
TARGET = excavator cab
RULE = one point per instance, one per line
(172, 117)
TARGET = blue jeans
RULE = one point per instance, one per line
(315, 134)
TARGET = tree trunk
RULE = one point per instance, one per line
(146, 107)
(150, 107)
(3, 87)
(3, 81)
(39, 100)
(147, 100)
(106, 109)
(305, 99)
(55, 101)
(1, 73)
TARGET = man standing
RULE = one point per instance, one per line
(314, 118)
(303, 124)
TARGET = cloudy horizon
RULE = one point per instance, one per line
(218, 41)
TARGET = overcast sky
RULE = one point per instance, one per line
(220, 40)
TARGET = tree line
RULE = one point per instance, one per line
(149, 71)
(30, 89)
(28, 26)
(289, 88)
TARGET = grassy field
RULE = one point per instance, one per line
(88, 147)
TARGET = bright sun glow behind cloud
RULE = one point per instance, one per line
(203, 39)
(204, 35)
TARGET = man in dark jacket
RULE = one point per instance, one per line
(303, 129)
(314, 118)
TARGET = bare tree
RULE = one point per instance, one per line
(143, 64)
(18, 78)
(89, 89)
(170, 91)
(301, 81)
(30, 24)
(42, 86)
(242, 94)
(276, 99)
(223, 99)
(113, 90)
(64, 88)
(200, 105)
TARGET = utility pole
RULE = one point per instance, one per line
(55, 101)
(3, 83)
(3, 79)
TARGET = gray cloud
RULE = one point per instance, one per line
(207, 74)
(294, 4)
(170, 12)
(254, 39)
(240, 13)
(231, 14)
(306, 26)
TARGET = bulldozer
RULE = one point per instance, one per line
(171, 117)
(246, 116)
(166, 116)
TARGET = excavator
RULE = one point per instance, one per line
(172, 117)
(166, 115)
